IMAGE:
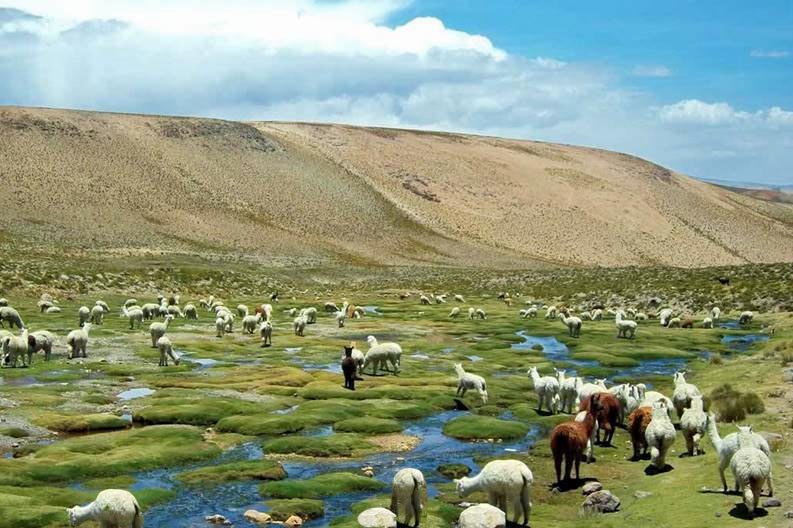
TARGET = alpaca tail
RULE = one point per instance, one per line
(415, 499)
(137, 521)
(655, 456)
(749, 495)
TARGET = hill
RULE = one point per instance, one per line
(309, 194)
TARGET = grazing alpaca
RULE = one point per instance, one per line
(745, 318)
(190, 311)
(707, 322)
(471, 313)
(664, 316)
(674, 322)
(14, 347)
(166, 350)
(660, 435)
(459, 298)
(466, 380)
(112, 509)
(425, 300)
(751, 468)
(569, 441)
(310, 314)
(727, 446)
(568, 391)
(507, 483)
(379, 354)
(41, 340)
(97, 315)
(406, 496)
(480, 313)
(546, 387)
(683, 394)
(626, 395)
(455, 312)
(157, 330)
(266, 333)
(249, 323)
(550, 312)
(135, 315)
(607, 415)
(299, 324)
(78, 341)
(83, 315)
(638, 421)
(715, 313)
(573, 325)
(694, 424)
(625, 328)
(597, 314)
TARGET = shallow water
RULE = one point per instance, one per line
(231, 500)
(552, 348)
(742, 343)
(375, 310)
(132, 394)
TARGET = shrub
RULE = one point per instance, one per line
(732, 405)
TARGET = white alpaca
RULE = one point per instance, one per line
(683, 393)
(41, 341)
(15, 347)
(664, 316)
(674, 322)
(751, 468)
(745, 318)
(550, 312)
(166, 350)
(103, 305)
(78, 341)
(157, 330)
(694, 424)
(626, 397)
(641, 316)
(267, 310)
(455, 312)
(707, 322)
(573, 325)
(130, 302)
(440, 299)
(531, 312)
(242, 310)
(715, 313)
(585, 316)
(660, 435)
(54, 310)
(586, 390)
(459, 298)
(299, 325)
(471, 313)
(266, 333)
(406, 496)
(174, 310)
(379, 354)
(330, 307)
(568, 391)
(150, 310)
(310, 314)
(341, 317)
(220, 326)
(727, 446)
(466, 380)
(424, 299)
(135, 315)
(112, 509)
(597, 314)
(190, 311)
(249, 323)
(480, 313)
(507, 483)
(83, 315)
(651, 397)
(625, 328)
(546, 387)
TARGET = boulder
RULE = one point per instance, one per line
(257, 517)
(775, 440)
(591, 487)
(293, 522)
(772, 503)
(787, 374)
(482, 516)
(217, 519)
(377, 518)
(601, 502)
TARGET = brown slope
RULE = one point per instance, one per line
(301, 193)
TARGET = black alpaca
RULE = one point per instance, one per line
(349, 367)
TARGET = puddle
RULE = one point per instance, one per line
(293, 350)
(288, 410)
(419, 355)
(201, 362)
(133, 394)
(652, 367)
(328, 367)
(474, 358)
(374, 310)
(742, 343)
(447, 350)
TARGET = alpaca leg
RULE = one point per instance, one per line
(722, 465)
(689, 444)
(568, 464)
(770, 487)
(173, 357)
(577, 465)
(525, 503)
(557, 463)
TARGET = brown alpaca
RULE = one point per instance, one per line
(569, 441)
(637, 424)
(608, 414)
(688, 322)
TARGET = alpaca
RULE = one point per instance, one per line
(266, 333)
(341, 317)
(44, 305)
(249, 323)
(481, 314)
(459, 298)
(41, 340)
(607, 415)
(715, 313)
(166, 349)
(550, 312)
(694, 424)
(54, 310)
(310, 314)
(150, 310)
(507, 483)
(135, 315)
(407, 493)
(597, 314)
(751, 468)
(130, 302)
(625, 396)
(424, 300)
(641, 316)
(97, 315)
(568, 391)
(589, 452)
(11, 316)
(331, 307)
(190, 311)
(103, 305)
(569, 441)
(650, 397)
(440, 299)
(588, 389)
(660, 435)
(683, 394)
(379, 354)
(466, 380)
(573, 325)
(157, 330)
(674, 322)
(707, 322)
(455, 312)
(15, 347)
(78, 341)
(471, 313)
(585, 316)
(267, 311)
(546, 388)
(745, 318)
(299, 325)
(638, 421)
(727, 446)
(112, 508)
(664, 316)
(625, 327)
(174, 310)
(531, 313)
(242, 310)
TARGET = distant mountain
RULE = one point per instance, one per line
(309, 195)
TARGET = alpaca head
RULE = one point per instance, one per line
(601, 382)
(560, 373)
(533, 372)
(372, 340)
(680, 377)
(462, 486)
(458, 368)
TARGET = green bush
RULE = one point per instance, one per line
(732, 405)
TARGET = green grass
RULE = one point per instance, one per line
(484, 428)
(282, 509)
(368, 426)
(80, 423)
(335, 445)
(249, 470)
(320, 486)
(14, 432)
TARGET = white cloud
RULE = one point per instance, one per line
(772, 54)
(694, 111)
(652, 71)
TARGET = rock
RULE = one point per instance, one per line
(482, 516)
(377, 518)
(601, 502)
(789, 515)
(591, 487)
(217, 519)
(293, 522)
(787, 374)
(772, 503)
(367, 471)
(257, 517)
(641, 494)
(775, 440)
(718, 514)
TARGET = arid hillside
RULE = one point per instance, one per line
(305, 194)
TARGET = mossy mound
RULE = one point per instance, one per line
(484, 428)
(282, 509)
(249, 470)
(80, 423)
(262, 424)
(454, 471)
(14, 432)
(204, 411)
(335, 445)
(368, 426)
(320, 486)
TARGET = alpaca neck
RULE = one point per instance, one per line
(535, 377)
(460, 372)
(713, 432)
(83, 513)
(471, 484)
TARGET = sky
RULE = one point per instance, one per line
(700, 86)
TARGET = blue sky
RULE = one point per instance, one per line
(700, 86)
